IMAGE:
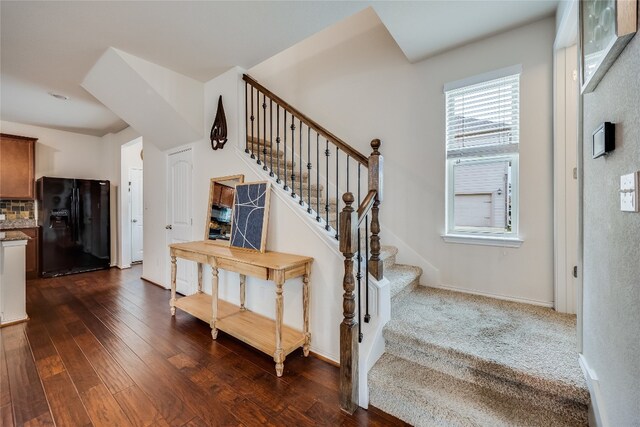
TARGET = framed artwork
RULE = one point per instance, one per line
(606, 26)
(250, 216)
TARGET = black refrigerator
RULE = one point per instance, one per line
(74, 216)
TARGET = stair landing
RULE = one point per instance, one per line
(523, 355)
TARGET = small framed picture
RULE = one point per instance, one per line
(250, 216)
(603, 140)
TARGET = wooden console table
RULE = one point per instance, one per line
(267, 335)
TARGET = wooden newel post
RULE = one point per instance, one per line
(375, 183)
(349, 326)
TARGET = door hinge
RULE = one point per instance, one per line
(575, 173)
(575, 271)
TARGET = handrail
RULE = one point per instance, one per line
(366, 205)
(352, 152)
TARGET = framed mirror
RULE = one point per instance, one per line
(220, 207)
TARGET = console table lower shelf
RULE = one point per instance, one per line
(251, 328)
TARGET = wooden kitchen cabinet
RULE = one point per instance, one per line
(222, 196)
(32, 269)
(17, 167)
(226, 196)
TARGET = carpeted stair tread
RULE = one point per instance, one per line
(402, 276)
(520, 343)
(388, 256)
(427, 398)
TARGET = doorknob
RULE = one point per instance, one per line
(135, 220)
(169, 227)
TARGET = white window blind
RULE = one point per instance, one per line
(483, 117)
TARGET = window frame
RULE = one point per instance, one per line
(478, 155)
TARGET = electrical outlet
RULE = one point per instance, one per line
(3, 217)
(629, 192)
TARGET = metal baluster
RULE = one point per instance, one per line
(359, 273)
(337, 195)
(318, 177)
(271, 135)
(257, 141)
(309, 170)
(286, 187)
(367, 316)
(264, 132)
(278, 141)
(293, 156)
(327, 153)
(300, 156)
(348, 179)
(252, 121)
(246, 117)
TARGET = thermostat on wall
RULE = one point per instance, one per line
(603, 140)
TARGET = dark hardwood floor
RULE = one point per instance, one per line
(101, 349)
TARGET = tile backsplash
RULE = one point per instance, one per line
(17, 209)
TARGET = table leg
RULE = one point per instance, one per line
(214, 301)
(305, 308)
(278, 356)
(199, 277)
(243, 290)
(172, 301)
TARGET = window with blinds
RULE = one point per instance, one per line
(484, 116)
(482, 140)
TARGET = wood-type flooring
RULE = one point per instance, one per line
(101, 349)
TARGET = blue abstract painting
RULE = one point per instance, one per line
(250, 215)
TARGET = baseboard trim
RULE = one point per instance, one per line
(324, 359)
(152, 282)
(497, 296)
(593, 384)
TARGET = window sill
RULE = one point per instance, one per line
(469, 239)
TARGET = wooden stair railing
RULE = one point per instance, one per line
(279, 137)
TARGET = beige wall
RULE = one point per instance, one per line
(611, 339)
(364, 88)
(64, 154)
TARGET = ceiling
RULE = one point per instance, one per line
(50, 46)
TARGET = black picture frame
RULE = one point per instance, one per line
(603, 140)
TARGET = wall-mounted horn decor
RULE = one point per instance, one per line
(219, 129)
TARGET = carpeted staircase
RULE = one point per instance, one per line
(451, 359)
(455, 359)
(273, 159)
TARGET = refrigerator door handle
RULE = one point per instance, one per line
(72, 214)
(77, 215)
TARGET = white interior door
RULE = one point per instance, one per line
(180, 169)
(566, 192)
(135, 179)
(571, 180)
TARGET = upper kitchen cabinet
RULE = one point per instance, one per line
(17, 167)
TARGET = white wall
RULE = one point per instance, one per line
(130, 158)
(112, 160)
(64, 154)
(364, 88)
(287, 231)
(156, 255)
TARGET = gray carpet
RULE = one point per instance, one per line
(474, 350)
